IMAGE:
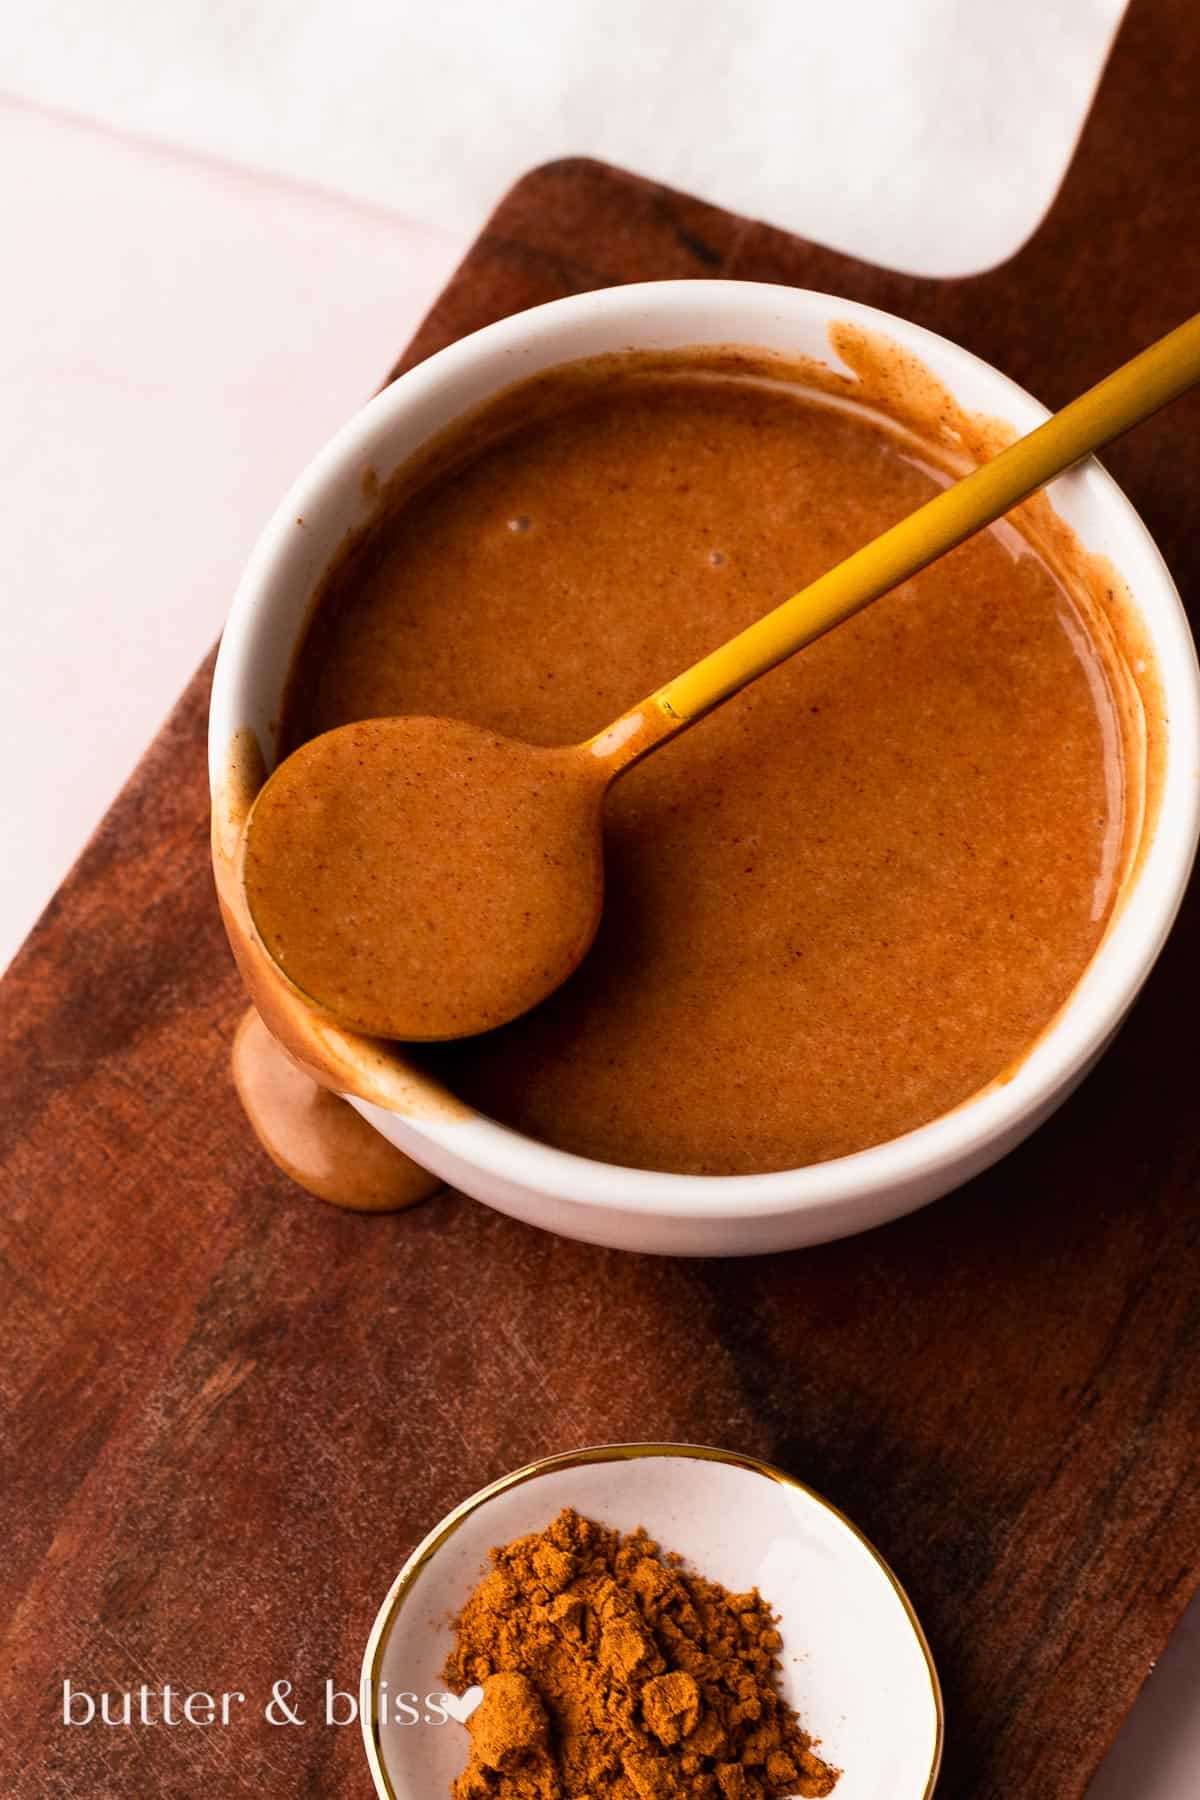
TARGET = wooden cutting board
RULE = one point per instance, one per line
(232, 1411)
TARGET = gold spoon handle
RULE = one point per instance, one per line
(1134, 391)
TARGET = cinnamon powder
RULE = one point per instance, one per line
(612, 1672)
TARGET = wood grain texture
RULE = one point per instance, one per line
(231, 1411)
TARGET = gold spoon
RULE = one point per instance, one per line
(424, 878)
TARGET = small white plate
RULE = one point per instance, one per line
(855, 1662)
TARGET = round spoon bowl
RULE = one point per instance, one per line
(705, 1215)
(354, 892)
(855, 1663)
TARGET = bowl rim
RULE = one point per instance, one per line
(961, 1139)
(433, 1541)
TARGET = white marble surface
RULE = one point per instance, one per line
(179, 331)
(928, 134)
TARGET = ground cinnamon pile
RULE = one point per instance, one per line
(611, 1672)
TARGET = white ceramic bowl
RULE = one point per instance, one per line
(856, 1665)
(725, 1215)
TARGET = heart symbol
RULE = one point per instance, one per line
(461, 1706)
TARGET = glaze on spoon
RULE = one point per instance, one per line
(424, 878)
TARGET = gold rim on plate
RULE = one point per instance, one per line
(577, 1459)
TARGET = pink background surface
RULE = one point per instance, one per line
(176, 340)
